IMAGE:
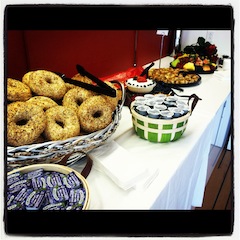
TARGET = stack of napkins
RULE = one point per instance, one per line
(119, 165)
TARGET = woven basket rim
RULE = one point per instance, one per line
(58, 142)
(57, 168)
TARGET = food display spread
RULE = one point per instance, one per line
(42, 107)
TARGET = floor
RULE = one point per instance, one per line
(219, 189)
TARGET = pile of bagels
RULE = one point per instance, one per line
(42, 107)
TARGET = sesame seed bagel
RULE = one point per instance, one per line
(25, 123)
(48, 84)
(26, 78)
(62, 123)
(43, 102)
(17, 91)
(113, 101)
(75, 97)
(94, 114)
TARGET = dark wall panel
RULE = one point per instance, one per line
(15, 54)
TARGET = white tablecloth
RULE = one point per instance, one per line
(180, 167)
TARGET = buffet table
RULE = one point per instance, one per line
(177, 170)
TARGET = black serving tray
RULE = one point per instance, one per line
(183, 85)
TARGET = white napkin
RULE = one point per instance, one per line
(119, 165)
(148, 179)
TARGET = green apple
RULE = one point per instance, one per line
(175, 62)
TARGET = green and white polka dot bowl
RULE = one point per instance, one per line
(159, 130)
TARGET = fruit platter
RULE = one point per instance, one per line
(200, 58)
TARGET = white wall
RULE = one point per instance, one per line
(221, 38)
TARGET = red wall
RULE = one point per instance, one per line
(16, 60)
(98, 51)
(148, 48)
(101, 52)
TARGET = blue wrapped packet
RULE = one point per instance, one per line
(74, 207)
(77, 196)
(55, 206)
(18, 197)
(49, 197)
(17, 186)
(39, 182)
(60, 193)
(13, 178)
(54, 179)
(22, 195)
(35, 199)
(16, 206)
(10, 199)
(33, 174)
(72, 181)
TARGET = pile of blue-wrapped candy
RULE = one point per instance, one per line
(44, 190)
(160, 106)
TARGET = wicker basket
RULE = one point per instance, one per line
(161, 130)
(60, 169)
(54, 151)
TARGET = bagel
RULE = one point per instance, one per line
(75, 97)
(40, 139)
(113, 101)
(43, 102)
(69, 86)
(81, 78)
(26, 78)
(17, 91)
(62, 123)
(94, 114)
(25, 123)
(48, 84)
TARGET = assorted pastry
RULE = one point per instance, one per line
(173, 76)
